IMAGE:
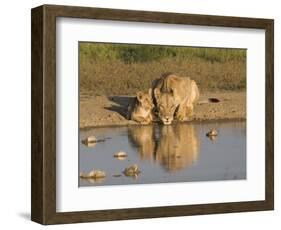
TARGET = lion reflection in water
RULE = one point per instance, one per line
(143, 137)
(174, 147)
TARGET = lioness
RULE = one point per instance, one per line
(141, 108)
(175, 96)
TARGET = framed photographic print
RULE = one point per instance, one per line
(141, 114)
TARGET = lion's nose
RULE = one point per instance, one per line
(167, 118)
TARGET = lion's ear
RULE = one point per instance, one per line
(140, 96)
(157, 93)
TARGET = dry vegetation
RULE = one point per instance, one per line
(107, 69)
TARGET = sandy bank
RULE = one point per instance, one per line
(108, 111)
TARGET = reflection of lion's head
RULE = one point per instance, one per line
(174, 147)
(166, 105)
(178, 146)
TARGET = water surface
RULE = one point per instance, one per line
(176, 153)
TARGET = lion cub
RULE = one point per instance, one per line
(141, 108)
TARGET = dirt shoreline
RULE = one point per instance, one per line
(99, 111)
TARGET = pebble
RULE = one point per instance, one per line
(117, 175)
(90, 139)
(213, 138)
(93, 174)
(212, 133)
(120, 154)
(132, 171)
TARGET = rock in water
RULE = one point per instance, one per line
(212, 133)
(90, 141)
(120, 155)
(212, 138)
(94, 174)
(117, 175)
(132, 171)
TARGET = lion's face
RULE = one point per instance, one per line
(145, 100)
(166, 106)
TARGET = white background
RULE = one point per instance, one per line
(15, 113)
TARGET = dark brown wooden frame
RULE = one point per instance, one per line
(43, 160)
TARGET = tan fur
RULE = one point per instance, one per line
(141, 108)
(175, 96)
(143, 137)
(174, 148)
(178, 146)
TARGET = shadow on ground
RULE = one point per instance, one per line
(120, 104)
(25, 215)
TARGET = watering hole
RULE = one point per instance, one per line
(175, 153)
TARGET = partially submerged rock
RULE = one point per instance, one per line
(117, 175)
(212, 138)
(120, 155)
(132, 171)
(94, 174)
(91, 144)
(212, 133)
(90, 141)
(94, 180)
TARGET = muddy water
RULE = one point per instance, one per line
(174, 153)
